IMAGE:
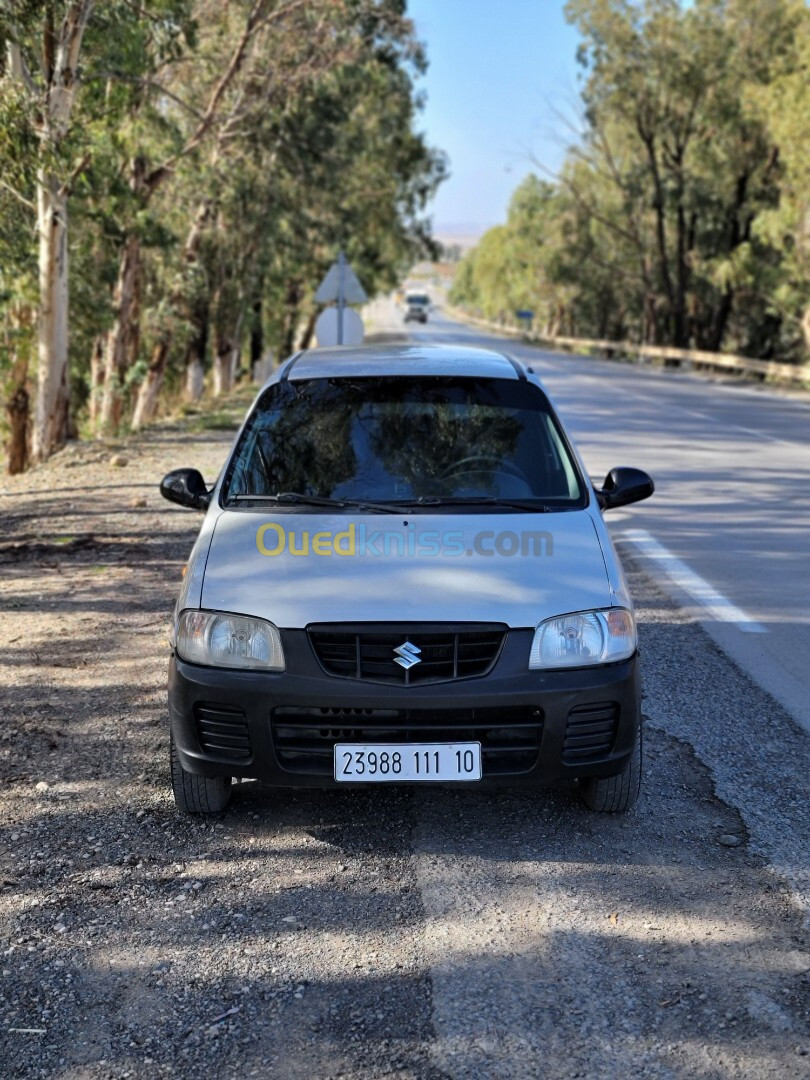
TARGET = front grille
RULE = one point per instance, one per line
(446, 653)
(590, 732)
(305, 738)
(223, 731)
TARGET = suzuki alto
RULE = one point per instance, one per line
(403, 576)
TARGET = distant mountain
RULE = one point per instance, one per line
(464, 234)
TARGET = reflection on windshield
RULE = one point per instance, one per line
(395, 438)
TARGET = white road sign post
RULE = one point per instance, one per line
(339, 326)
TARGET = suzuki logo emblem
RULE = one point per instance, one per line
(407, 655)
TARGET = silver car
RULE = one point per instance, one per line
(403, 576)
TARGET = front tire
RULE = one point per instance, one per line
(197, 794)
(615, 794)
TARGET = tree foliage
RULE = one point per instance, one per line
(680, 215)
(214, 158)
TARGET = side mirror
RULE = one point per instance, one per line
(185, 487)
(623, 486)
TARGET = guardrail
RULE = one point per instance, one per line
(687, 359)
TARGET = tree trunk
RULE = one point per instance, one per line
(58, 74)
(682, 253)
(96, 376)
(124, 337)
(262, 369)
(717, 332)
(226, 350)
(649, 329)
(16, 342)
(223, 370)
(309, 330)
(660, 208)
(196, 350)
(195, 379)
(291, 311)
(256, 333)
(149, 390)
(739, 232)
(806, 329)
(53, 389)
(54, 104)
(17, 417)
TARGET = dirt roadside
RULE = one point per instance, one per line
(387, 933)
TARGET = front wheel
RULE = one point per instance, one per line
(197, 794)
(615, 794)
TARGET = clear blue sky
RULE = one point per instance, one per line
(498, 70)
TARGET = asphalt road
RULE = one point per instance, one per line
(732, 471)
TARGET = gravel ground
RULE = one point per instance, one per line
(408, 933)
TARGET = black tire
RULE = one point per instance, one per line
(198, 794)
(615, 794)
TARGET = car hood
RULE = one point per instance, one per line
(562, 569)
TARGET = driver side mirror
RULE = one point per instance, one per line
(623, 486)
(185, 487)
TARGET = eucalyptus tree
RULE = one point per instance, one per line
(225, 178)
(18, 272)
(784, 102)
(43, 47)
(670, 84)
(322, 153)
(519, 266)
(18, 307)
(231, 36)
(353, 174)
(63, 62)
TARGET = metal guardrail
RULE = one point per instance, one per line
(688, 359)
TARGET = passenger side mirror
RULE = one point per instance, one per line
(623, 486)
(185, 487)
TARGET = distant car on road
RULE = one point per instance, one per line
(417, 306)
(403, 576)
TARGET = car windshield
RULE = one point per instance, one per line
(405, 439)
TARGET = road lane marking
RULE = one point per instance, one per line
(647, 399)
(707, 417)
(713, 603)
(715, 420)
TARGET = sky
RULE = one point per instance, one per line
(499, 71)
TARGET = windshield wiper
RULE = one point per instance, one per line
(483, 500)
(291, 498)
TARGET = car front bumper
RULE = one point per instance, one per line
(536, 728)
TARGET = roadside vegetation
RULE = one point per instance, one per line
(175, 178)
(681, 214)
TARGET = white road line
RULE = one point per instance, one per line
(713, 420)
(656, 401)
(715, 605)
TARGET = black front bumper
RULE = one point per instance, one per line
(536, 728)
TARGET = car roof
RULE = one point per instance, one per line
(410, 359)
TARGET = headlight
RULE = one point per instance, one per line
(584, 639)
(217, 639)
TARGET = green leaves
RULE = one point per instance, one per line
(682, 215)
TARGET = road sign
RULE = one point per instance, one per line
(345, 325)
(524, 314)
(328, 330)
(341, 284)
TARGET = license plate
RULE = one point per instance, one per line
(376, 763)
